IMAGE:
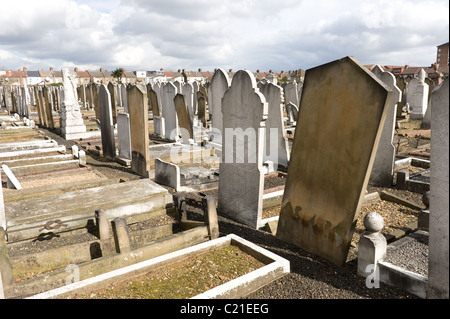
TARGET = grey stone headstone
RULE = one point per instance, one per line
(123, 134)
(438, 260)
(276, 147)
(241, 182)
(219, 84)
(383, 166)
(106, 122)
(168, 111)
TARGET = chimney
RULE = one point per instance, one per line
(51, 68)
(75, 69)
(162, 69)
(25, 69)
(230, 70)
(270, 71)
(199, 69)
(257, 71)
(101, 69)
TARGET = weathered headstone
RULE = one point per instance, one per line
(167, 174)
(291, 93)
(168, 111)
(184, 118)
(241, 182)
(113, 95)
(138, 108)
(438, 258)
(106, 122)
(383, 166)
(123, 134)
(201, 110)
(417, 96)
(2, 206)
(332, 154)
(292, 112)
(219, 84)
(276, 146)
(48, 108)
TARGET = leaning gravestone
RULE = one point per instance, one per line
(291, 93)
(383, 167)
(219, 84)
(276, 146)
(343, 108)
(438, 260)
(106, 122)
(138, 108)
(241, 182)
(184, 118)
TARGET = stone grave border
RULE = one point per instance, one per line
(276, 267)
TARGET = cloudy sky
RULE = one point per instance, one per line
(237, 34)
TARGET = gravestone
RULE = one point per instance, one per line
(401, 84)
(195, 88)
(219, 84)
(417, 96)
(438, 258)
(113, 95)
(94, 89)
(338, 129)
(39, 106)
(201, 112)
(291, 93)
(71, 119)
(48, 108)
(383, 167)
(241, 182)
(158, 120)
(168, 111)
(188, 92)
(124, 96)
(276, 146)
(106, 122)
(292, 112)
(124, 135)
(184, 118)
(138, 108)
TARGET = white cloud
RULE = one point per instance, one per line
(264, 34)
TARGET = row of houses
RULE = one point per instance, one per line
(101, 76)
(436, 72)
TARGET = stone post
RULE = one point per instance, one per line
(121, 237)
(372, 244)
(210, 213)
(102, 224)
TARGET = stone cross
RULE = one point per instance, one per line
(337, 134)
(71, 120)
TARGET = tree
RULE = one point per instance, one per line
(117, 74)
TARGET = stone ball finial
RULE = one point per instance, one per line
(373, 222)
(426, 199)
